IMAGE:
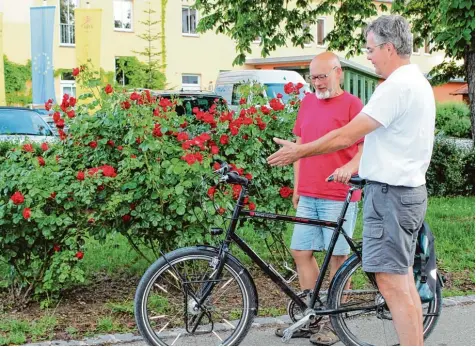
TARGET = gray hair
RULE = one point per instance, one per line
(395, 30)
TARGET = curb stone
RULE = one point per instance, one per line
(124, 339)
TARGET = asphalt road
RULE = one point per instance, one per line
(456, 327)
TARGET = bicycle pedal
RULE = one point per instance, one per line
(288, 333)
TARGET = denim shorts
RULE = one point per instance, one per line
(316, 238)
(393, 215)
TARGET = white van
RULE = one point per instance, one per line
(274, 80)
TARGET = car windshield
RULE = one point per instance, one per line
(22, 122)
(272, 90)
(187, 103)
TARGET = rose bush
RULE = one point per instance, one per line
(128, 163)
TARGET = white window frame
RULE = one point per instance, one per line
(323, 33)
(67, 84)
(132, 16)
(197, 18)
(61, 24)
(192, 86)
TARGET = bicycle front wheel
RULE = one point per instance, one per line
(167, 300)
(370, 326)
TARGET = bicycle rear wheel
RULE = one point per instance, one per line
(371, 326)
(166, 308)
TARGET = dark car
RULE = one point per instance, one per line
(188, 100)
(22, 124)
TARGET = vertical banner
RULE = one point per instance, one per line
(88, 39)
(3, 101)
(42, 21)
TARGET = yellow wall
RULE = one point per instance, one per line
(204, 54)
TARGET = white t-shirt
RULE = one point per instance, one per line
(399, 152)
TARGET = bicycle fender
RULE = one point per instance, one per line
(340, 270)
(237, 262)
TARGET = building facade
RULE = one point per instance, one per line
(192, 60)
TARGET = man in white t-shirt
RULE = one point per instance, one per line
(398, 124)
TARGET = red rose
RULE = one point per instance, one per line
(216, 166)
(285, 192)
(80, 176)
(156, 132)
(108, 171)
(100, 188)
(126, 218)
(133, 156)
(79, 255)
(62, 134)
(249, 176)
(56, 248)
(182, 136)
(189, 158)
(265, 110)
(252, 206)
(299, 85)
(110, 143)
(56, 116)
(195, 110)
(276, 105)
(289, 88)
(93, 144)
(242, 101)
(126, 105)
(75, 71)
(211, 192)
(224, 139)
(120, 148)
(44, 146)
(138, 140)
(71, 114)
(60, 124)
(108, 89)
(135, 96)
(221, 210)
(214, 150)
(41, 161)
(199, 157)
(53, 195)
(17, 198)
(184, 125)
(27, 147)
(279, 95)
(26, 213)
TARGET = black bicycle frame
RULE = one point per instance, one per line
(231, 236)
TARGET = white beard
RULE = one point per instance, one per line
(324, 95)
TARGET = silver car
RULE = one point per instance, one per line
(23, 124)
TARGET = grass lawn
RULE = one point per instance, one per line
(117, 268)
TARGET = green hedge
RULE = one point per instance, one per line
(453, 119)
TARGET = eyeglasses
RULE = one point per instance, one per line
(322, 77)
(370, 50)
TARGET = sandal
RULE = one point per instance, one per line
(325, 337)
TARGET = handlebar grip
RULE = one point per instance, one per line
(233, 177)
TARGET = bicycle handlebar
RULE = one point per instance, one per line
(229, 176)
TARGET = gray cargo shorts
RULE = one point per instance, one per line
(392, 217)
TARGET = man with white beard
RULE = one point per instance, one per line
(327, 109)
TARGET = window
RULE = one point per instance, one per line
(67, 21)
(123, 14)
(320, 32)
(235, 96)
(190, 82)
(121, 69)
(428, 46)
(68, 84)
(189, 21)
(307, 42)
(416, 48)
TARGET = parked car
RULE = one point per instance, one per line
(22, 124)
(188, 100)
(228, 82)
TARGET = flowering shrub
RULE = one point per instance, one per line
(130, 164)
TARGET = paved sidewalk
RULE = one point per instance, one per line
(456, 327)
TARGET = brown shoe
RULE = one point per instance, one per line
(326, 336)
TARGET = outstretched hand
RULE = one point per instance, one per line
(286, 155)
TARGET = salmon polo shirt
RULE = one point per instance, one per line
(317, 117)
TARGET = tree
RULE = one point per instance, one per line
(449, 24)
(155, 77)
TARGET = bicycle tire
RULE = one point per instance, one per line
(353, 267)
(194, 255)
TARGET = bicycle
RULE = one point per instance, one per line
(203, 295)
